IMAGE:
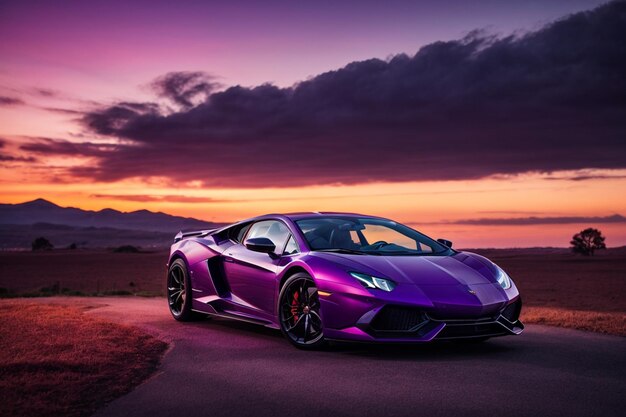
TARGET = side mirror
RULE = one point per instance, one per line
(260, 244)
(445, 242)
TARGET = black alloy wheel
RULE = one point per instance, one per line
(299, 312)
(179, 291)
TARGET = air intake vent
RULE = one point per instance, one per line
(471, 330)
(512, 311)
(397, 319)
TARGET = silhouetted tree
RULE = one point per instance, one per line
(41, 243)
(587, 241)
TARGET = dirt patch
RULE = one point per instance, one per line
(82, 272)
(600, 322)
(57, 361)
(566, 281)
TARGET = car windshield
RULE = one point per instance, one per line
(369, 236)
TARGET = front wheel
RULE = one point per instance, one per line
(299, 312)
(179, 291)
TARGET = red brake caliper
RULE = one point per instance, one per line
(294, 307)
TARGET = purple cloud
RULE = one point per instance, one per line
(184, 88)
(12, 158)
(63, 147)
(149, 198)
(586, 177)
(60, 110)
(10, 101)
(46, 92)
(549, 100)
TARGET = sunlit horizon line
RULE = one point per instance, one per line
(528, 214)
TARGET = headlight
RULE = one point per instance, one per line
(369, 281)
(503, 279)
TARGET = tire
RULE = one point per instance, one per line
(299, 312)
(179, 291)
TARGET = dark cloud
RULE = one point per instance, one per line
(110, 120)
(184, 88)
(160, 198)
(4, 157)
(12, 158)
(550, 100)
(10, 101)
(523, 221)
(63, 147)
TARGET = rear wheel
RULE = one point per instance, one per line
(179, 291)
(299, 312)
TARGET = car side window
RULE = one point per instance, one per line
(274, 230)
(291, 247)
(241, 233)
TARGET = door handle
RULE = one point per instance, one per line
(227, 259)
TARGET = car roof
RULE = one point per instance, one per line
(300, 216)
(313, 214)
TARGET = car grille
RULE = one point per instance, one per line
(397, 319)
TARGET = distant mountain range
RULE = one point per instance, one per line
(43, 211)
(20, 223)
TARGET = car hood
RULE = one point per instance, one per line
(461, 285)
(462, 268)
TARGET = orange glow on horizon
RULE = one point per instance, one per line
(431, 207)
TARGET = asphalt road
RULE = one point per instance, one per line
(224, 368)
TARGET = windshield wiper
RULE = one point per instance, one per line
(344, 250)
(410, 253)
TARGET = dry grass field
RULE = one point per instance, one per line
(56, 361)
(592, 290)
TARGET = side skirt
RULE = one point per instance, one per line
(238, 317)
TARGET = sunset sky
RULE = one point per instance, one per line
(482, 122)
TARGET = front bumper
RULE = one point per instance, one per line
(402, 324)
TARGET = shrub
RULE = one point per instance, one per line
(126, 249)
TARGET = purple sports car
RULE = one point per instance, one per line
(338, 276)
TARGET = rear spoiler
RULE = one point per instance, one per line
(199, 233)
